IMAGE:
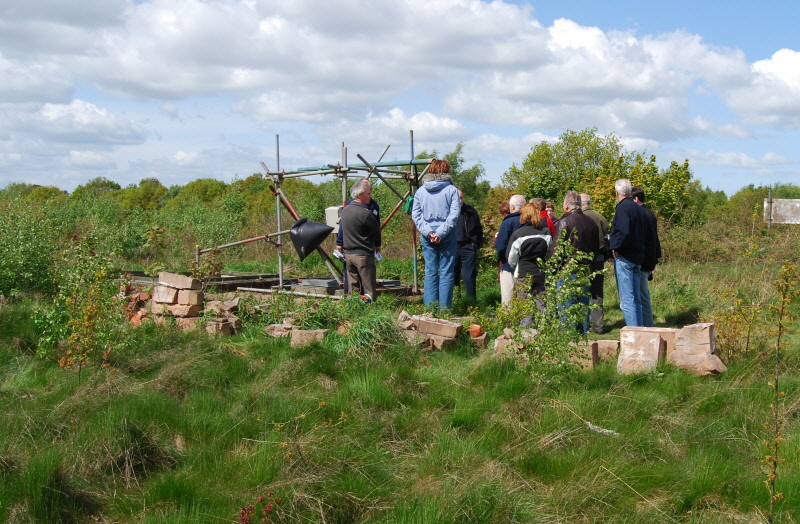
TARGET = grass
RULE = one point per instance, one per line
(362, 428)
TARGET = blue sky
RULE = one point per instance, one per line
(187, 89)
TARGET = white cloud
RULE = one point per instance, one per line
(91, 160)
(732, 159)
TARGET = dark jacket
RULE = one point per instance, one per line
(653, 248)
(630, 231)
(507, 227)
(602, 225)
(361, 230)
(372, 206)
(469, 226)
(581, 231)
(527, 251)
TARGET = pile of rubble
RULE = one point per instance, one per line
(298, 337)
(437, 333)
(181, 299)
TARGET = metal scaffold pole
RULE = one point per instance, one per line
(412, 189)
(278, 210)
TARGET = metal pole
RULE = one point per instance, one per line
(278, 210)
(344, 175)
(769, 216)
(282, 292)
(414, 185)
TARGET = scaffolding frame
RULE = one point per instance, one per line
(385, 171)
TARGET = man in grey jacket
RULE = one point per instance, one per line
(361, 239)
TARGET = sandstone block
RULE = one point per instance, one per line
(438, 326)
(607, 349)
(695, 349)
(439, 342)
(585, 355)
(640, 350)
(159, 320)
(219, 327)
(278, 330)
(668, 334)
(190, 297)
(405, 324)
(480, 341)
(182, 310)
(414, 337)
(178, 281)
(157, 308)
(165, 295)
(188, 323)
(301, 337)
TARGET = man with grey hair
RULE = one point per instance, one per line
(582, 233)
(628, 241)
(361, 239)
(596, 286)
(375, 209)
(507, 227)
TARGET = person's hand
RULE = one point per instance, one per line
(435, 238)
(377, 250)
(338, 248)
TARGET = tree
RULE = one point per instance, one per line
(147, 196)
(468, 179)
(94, 188)
(574, 162)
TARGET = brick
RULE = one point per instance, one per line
(607, 349)
(178, 281)
(181, 310)
(165, 295)
(190, 297)
(640, 350)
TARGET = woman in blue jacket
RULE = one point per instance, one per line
(435, 213)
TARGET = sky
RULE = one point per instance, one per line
(186, 89)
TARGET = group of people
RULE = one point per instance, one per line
(451, 236)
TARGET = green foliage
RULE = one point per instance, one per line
(28, 240)
(94, 188)
(44, 194)
(147, 196)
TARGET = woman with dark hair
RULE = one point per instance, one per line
(435, 213)
(527, 251)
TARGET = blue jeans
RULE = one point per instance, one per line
(467, 267)
(629, 283)
(644, 294)
(440, 262)
(583, 298)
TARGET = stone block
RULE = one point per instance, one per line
(607, 349)
(188, 323)
(504, 346)
(301, 337)
(165, 295)
(668, 334)
(190, 297)
(157, 308)
(182, 310)
(159, 320)
(439, 342)
(697, 335)
(695, 350)
(178, 281)
(585, 355)
(480, 341)
(414, 337)
(438, 326)
(278, 330)
(219, 327)
(640, 350)
(405, 324)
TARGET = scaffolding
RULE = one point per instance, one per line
(387, 172)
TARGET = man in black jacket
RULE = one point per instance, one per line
(630, 232)
(361, 239)
(651, 256)
(580, 231)
(470, 239)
